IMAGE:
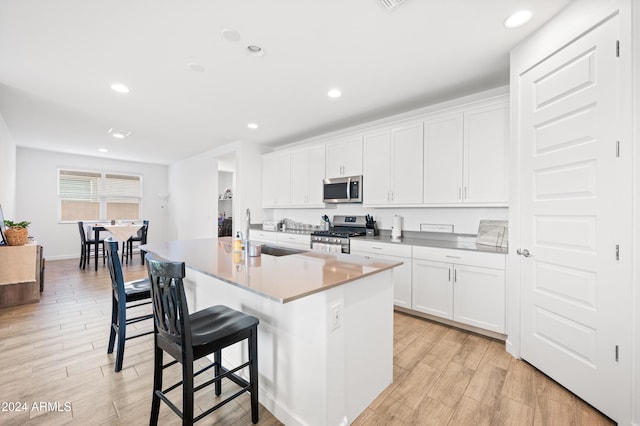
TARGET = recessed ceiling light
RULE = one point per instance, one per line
(118, 134)
(255, 50)
(120, 88)
(103, 150)
(518, 19)
(230, 35)
(334, 93)
(195, 67)
(252, 125)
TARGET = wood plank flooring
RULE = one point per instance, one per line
(54, 370)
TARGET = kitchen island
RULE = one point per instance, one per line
(325, 339)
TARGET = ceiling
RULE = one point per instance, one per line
(59, 58)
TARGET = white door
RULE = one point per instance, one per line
(299, 177)
(479, 297)
(443, 139)
(406, 168)
(316, 174)
(352, 156)
(432, 291)
(485, 153)
(401, 277)
(377, 168)
(574, 291)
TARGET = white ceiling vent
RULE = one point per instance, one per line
(391, 4)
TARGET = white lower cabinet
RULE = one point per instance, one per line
(432, 289)
(401, 274)
(464, 286)
(297, 241)
(259, 236)
(479, 297)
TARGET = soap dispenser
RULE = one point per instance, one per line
(237, 242)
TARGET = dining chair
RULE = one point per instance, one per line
(141, 238)
(86, 243)
(124, 296)
(188, 337)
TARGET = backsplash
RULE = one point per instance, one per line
(465, 220)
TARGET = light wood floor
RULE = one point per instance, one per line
(54, 353)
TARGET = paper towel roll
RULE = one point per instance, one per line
(396, 229)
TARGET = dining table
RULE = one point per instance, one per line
(121, 232)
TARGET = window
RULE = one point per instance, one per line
(94, 196)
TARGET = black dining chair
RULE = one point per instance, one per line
(85, 247)
(189, 337)
(141, 238)
(124, 296)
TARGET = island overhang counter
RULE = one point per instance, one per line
(325, 339)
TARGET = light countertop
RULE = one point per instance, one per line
(456, 244)
(282, 279)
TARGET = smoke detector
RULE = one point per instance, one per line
(391, 4)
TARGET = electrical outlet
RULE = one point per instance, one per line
(336, 316)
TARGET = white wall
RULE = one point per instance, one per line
(248, 184)
(7, 171)
(193, 197)
(193, 190)
(37, 202)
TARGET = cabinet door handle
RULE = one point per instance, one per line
(455, 275)
(466, 195)
(459, 193)
(449, 274)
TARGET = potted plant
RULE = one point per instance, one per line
(16, 233)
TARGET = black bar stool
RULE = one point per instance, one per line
(188, 337)
(123, 297)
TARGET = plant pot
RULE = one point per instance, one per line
(16, 236)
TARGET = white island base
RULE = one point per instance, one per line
(322, 358)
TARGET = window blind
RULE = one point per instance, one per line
(95, 196)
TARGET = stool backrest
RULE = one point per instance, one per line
(83, 236)
(115, 268)
(170, 310)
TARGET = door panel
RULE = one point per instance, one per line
(572, 283)
(443, 139)
(433, 288)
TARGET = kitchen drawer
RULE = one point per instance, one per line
(461, 257)
(264, 236)
(373, 247)
(302, 239)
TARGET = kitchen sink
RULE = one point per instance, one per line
(279, 251)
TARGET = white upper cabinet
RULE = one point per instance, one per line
(276, 179)
(307, 172)
(344, 157)
(393, 165)
(486, 133)
(465, 156)
(443, 144)
(377, 169)
(453, 158)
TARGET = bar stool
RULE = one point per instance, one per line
(85, 246)
(189, 337)
(123, 297)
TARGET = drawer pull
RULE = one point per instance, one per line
(376, 248)
(452, 257)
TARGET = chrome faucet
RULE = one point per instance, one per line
(247, 220)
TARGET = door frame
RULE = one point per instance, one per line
(571, 23)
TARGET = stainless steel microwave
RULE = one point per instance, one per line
(343, 190)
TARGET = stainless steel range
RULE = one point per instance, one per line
(336, 239)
